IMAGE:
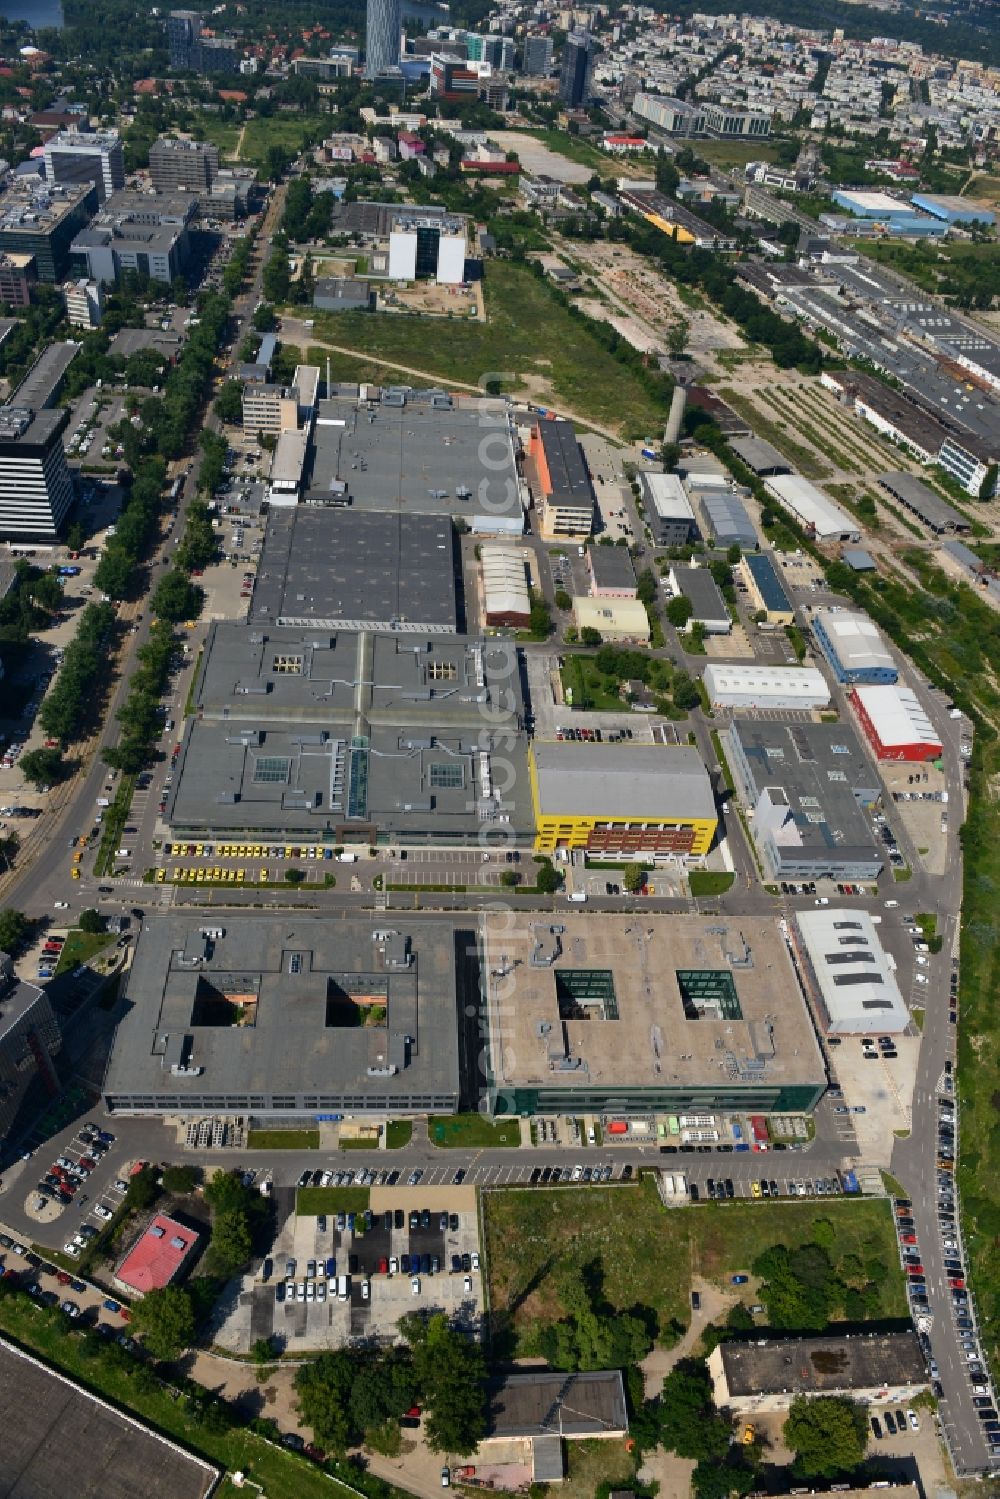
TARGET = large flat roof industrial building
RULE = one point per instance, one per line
(417, 452)
(621, 800)
(354, 737)
(59, 1439)
(343, 569)
(612, 1015)
(289, 1015)
(805, 786)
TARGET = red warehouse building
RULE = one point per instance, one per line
(894, 723)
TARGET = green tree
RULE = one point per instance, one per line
(180, 1180)
(41, 766)
(829, 1436)
(677, 337)
(164, 1319)
(176, 598)
(563, 599)
(92, 922)
(679, 611)
(647, 588)
(734, 554)
(548, 879)
(229, 402)
(75, 537)
(13, 929)
(232, 1242)
(295, 876)
(510, 879)
(264, 319)
(451, 1372)
(590, 636)
(113, 574)
(143, 1188)
(688, 1421)
(324, 1388)
(276, 280)
(685, 692)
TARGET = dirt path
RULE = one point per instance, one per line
(715, 1303)
(293, 332)
(239, 143)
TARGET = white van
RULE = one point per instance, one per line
(343, 1287)
(578, 897)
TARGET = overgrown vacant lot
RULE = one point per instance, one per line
(648, 1254)
(529, 334)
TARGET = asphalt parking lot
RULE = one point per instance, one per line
(332, 1281)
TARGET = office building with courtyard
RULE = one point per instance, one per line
(613, 1016)
(287, 1017)
(337, 737)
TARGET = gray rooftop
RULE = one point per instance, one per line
(41, 385)
(374, 220)
(351, 735)
(923, 502)
(726, 518)
(569, 1405)
(816, 1366)
(59, 1439)
(340, 568)
(822, 773)
(639, 781)
(131, 340)
(288, 1012)
(760, 456)
(611, 567)
(416, 452)
(698, 585)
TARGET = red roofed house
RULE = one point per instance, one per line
(158, 1256)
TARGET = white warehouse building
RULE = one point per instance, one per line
(848, 974)
(765, 686)
(812, 509)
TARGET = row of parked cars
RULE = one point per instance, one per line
(66, 1175)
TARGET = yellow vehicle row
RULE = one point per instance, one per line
(211, 876)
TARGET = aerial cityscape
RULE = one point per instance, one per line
(499, 749)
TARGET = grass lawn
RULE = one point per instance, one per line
(283, 1139)
(527, 332)
(471, 1129)
(80, 946)
(224, 133)
(591, 1464)
(291, 130)
(398, 1133)
(647, 1253)
(274, 1471)
(581, 677)
(311, 1201)
(710, 881)
(733, 153)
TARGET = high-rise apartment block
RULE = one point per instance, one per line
(537, 56)
(29, 1039)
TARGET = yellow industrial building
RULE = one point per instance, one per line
(621, 802)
